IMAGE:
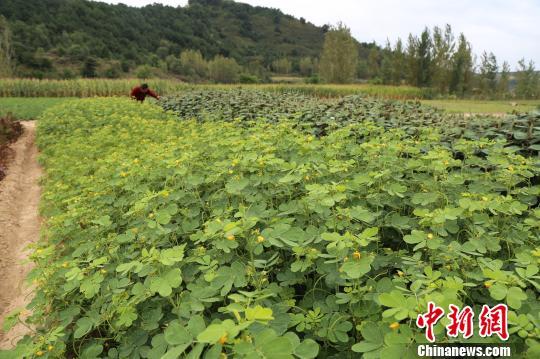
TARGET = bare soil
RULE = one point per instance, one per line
(19, 227)
(10, 130)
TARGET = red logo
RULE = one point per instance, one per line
(429, 319)
(460, 322)
(494, 321)
(491, 321)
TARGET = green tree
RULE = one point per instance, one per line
(374, 63)
(527, 80)
(307, 66)
(6, 51)
(443, 50)
(113, 70)
(412, 60)
(386, 64)
(362, 69)
(488, 74)
(423, 74)
(224, 70)
(193, 65)
(503, 88)
(282, 66)
(339, 57)
(89, 68)
(398, 63)
(462, 68)
(144, 72)
(164, 49)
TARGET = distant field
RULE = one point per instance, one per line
(288, 79)
(26, 108)
(121, 87)
(478, 106)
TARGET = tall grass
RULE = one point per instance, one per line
(121, 87)
(79, 87)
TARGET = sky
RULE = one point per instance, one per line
(508, 28)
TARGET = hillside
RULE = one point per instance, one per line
(58, 33)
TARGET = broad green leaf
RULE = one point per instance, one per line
(307, 349)
(92, 351)
(175, 352)
(363, 347)
(415, 237)
(177, 334)
(362, 214)
(163, 217)
(515, 297)
(212, 333)
(259, 313)
(498, 291)
(357, 268)
(172, 255)
(82, 327)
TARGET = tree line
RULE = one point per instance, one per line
(58, 38)
(435, 59)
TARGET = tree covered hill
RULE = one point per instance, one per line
(64, 32)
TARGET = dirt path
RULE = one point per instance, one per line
(19, 226)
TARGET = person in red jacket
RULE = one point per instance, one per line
(139, 93)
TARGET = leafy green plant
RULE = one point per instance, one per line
(169, 238)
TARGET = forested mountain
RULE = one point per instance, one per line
(63, 32)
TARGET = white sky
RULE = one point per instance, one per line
(508, 28)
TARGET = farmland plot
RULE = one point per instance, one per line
(272, 239)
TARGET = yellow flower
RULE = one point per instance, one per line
(356, 255)
(39, 353)
(223, 339)
(50, 348)
(430, 236)
(230, 237)
(260, 239)
(394, 325)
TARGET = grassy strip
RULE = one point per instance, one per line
(484, 107)
(26, 108)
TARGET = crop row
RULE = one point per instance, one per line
(121, 87)
(321, 115)
(169, 238)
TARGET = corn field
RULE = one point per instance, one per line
(79, 87)
(121, 87)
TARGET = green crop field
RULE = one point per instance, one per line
(259, 225)
(26, 108)
(479, 106)
(278, 187)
